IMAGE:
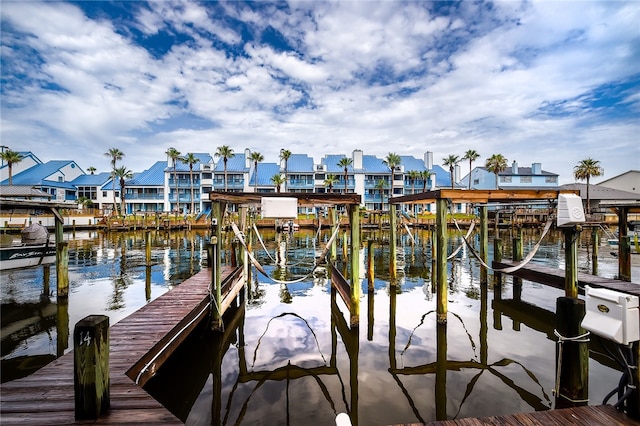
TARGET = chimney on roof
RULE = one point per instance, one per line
(433, 181)
(456, 173)
(428, 160)
(536, 168)
(247, 161)
(357, 159)
(514, 168)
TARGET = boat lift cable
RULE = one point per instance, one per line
(255, 229)
(526, 260)
(260, 268)
(452, 255)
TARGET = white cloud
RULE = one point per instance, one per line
(475, 78)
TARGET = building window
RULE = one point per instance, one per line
(104, 194)
(551, 179)
(525, 179)
(476, 181)
(505, 179)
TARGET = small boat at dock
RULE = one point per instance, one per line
(33, 250)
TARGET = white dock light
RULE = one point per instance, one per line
(570, 210)
(612, 315)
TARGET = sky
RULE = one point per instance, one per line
(551, 82)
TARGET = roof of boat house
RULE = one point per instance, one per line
(38, 174)
(599, 192)
(22, 191)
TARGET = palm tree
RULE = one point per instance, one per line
(392, 160)
(225, 153)
(11, 158)
(345, 163)
(277, 180)
(91, 169)
(413, 176)
(121, 173)
(425, 175)
(256, 157)
(174, 154)
(585, 170)
(471, 155)
(115, 154)
(329, 181)
(381, 185)
(285, 154)
(451, 162)
(495, 164)
(190, 159)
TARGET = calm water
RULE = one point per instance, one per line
(287, 355)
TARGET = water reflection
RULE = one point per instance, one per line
(108, 275)
(288, 356)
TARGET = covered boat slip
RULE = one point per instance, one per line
(572, 385)
(62, 253)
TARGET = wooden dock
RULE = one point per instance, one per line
(593, 415)
(555, 278)
(139, 344)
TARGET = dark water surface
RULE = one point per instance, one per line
(287, 355)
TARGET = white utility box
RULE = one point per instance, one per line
(612, 315)
(279, 208)
(570, 210)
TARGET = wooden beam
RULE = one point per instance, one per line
(481, 195)
(304, 198)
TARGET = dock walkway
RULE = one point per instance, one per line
(144, 339)
(555, 278)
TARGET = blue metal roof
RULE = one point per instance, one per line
(300, 163)
(373, 164)
(234, 164)
(92, 180)
(265, 172)
(38, 173)
(153, 176)
(331, 161)
(183, 167)
(412, 163)
(443, 177)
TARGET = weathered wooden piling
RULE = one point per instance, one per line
(624, 258)
(441, 266)
(572, 357)
(572, 351)
(91, 367)
(484, 242)
(393, 253)
(517, 257)
(354, 221)
(441, 371)
(147, 246)
(595, 245)
(216, 260)
(62, 269)
(370, 265)
(497, 256)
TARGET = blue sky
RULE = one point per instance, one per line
(536, 81)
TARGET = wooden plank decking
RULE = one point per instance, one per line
(593, 415)
(47, 396)
(555, 277)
